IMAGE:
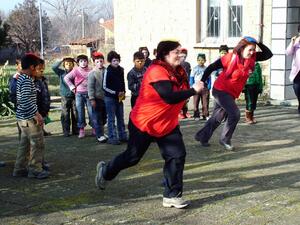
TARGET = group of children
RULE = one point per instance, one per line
(100, 90)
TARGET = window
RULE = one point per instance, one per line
(235, 18)
(220, 20)
(213, 26)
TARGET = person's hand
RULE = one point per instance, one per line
(198, 86)
(93, 103)
(39, 119)
(74, 90)
(121, 93)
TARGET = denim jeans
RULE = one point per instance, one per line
(115, 109)
(82, 100)
(99, 117)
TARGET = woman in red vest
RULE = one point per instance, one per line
(154, 117)
(236, 66)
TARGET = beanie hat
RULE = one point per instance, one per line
(164, 47)
(82, 56)
(68, 58)
(184, 51)
(201, 55)
(97, 55)
(223, 48)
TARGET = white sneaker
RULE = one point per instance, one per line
(102, 139)
(227, 147)
(99, 179)
(176, 202)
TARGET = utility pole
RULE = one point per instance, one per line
(41, 31)
(82, 23)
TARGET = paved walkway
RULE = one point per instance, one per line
(259, 183)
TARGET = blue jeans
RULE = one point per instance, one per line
(82, 100)
(115, 109)
(99, 117)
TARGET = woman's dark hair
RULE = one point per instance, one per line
(29, 60)
(144, 48)
(113, 55)
(164, 47)
(241, 46)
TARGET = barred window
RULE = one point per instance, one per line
(235, 18)
(214, 11)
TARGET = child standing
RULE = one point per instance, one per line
(43, 96)
(135, 76)
(187, 67)
(114, 94)
(252, 89)
(96, 95)
(146, 54)
(196, 76)
(31, 144)
(77, 80)
(68, 106)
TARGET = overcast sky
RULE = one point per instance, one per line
(8, 5)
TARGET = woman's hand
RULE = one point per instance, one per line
(198, 86)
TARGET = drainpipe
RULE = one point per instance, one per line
(261, 20)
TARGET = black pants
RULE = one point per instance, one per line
(68, 109)
(296, 86)
(133, 100)
(251, 96)
(172, 150)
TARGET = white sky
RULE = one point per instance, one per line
(8, 5)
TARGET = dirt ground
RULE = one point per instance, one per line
(259, 183)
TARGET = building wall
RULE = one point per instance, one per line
(145, 23)
(286, 17)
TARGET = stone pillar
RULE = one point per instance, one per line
(285, 20)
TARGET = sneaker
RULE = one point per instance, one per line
(94, 132)
(81, 133)
(123, 140)
(204, 144)
(45, 166)
(187, 115)
(66, 134)
(181, 116)
(20, 173)
(227, 147)
(177, 202)
(102, 139)
(99, 180)
(113, 142)
(38, 175)
(47, 133)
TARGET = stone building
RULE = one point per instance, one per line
(203, 25)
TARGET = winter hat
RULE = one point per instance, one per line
(97, 55)
(202, 56)
(164, 47)
(184, 51)
(82, 56)
(223, 48)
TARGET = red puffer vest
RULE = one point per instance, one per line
(235, 74)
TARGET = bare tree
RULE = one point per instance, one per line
(66, 17)
(24, 26)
